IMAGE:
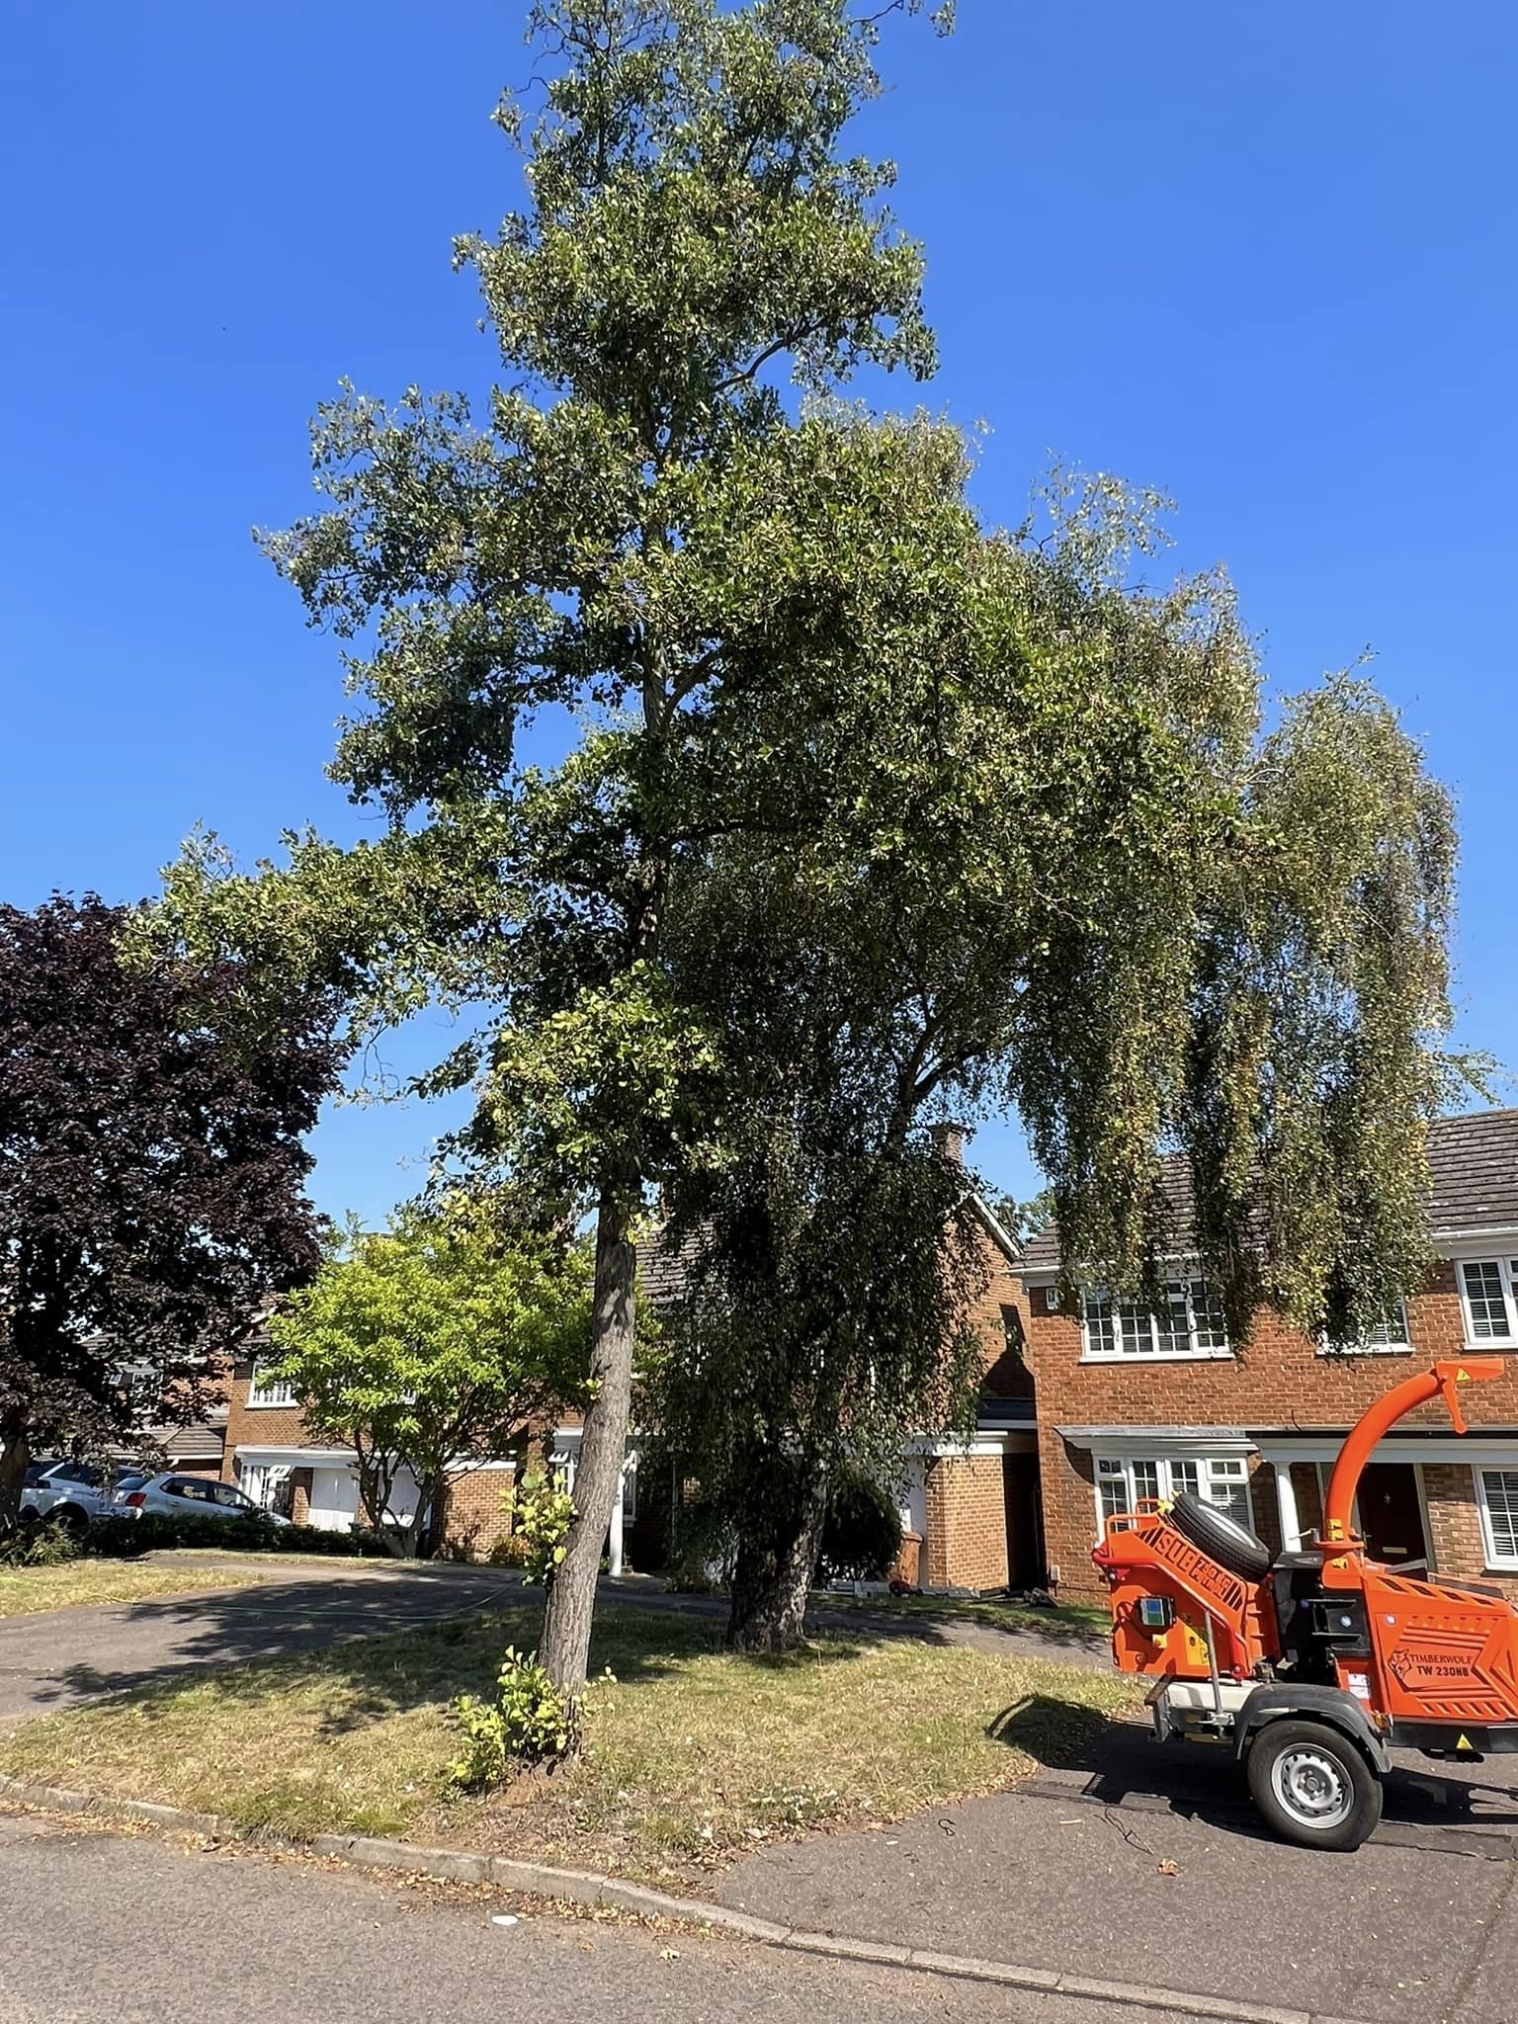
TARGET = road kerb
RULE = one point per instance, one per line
(542, 1880)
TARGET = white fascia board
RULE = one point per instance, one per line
(319, 1458)
(994, 1441)
(1471, 1453)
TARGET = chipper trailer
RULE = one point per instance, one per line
(1311, 1667)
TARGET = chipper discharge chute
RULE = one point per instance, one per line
(1311, 1667)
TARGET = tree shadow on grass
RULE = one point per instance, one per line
(374, 1665)
(1053, 1732)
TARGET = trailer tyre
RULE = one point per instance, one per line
(1313, 1786)
(1220, 1537)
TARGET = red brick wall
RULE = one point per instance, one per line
(967, 1522)
(259, 1426)
(1276, 1379)
(474, 1516)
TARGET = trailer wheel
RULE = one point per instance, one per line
(1222, 1538)
(1313, 1785)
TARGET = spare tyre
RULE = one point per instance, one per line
(1220, 1537)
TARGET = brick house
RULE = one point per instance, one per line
(271, 1454)
(1129, 1406)
(969, 1510)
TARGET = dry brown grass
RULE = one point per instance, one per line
(695, 1755)
(77, 1583)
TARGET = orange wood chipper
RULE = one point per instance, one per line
(1312, 1666)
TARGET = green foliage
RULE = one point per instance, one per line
(874, 814)
(435, 1339)
(41, 1545)
(157, 1532)
(861, 1535)
(541, 1514)
(530, 1721)
(1024, 1219)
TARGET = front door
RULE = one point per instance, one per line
(1391, 1513)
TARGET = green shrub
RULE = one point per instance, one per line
(40, 1545)
(156, 1532)
(529, 1722)
(510, 1551)
(862, 1535)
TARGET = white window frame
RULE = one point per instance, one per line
(1196, 1351)
(1491, 1556)
(1401, 1345)
(1232, 1469)
(1506, 1273)
(273, 1395)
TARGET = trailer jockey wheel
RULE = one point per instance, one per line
(1222, 1538)
(1313, 1786)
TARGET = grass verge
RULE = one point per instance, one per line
(25, 1591)
(696, 1755)
(1079, 1622)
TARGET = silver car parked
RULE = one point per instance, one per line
(70, 1493)
(173, 1496)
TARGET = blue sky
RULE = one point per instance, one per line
(1261, 257)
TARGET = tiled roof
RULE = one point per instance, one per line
(662, 1266)
(1473, 1175)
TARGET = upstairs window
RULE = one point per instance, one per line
(1491, 1311)
(268, 1391)
(1190, 1323)
(1383, 1338)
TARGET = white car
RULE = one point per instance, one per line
(69, 1494)
(173, 1496)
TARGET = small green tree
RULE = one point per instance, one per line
(431, 1342)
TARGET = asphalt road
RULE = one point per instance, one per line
(132, 1929)
(1148, 1865)
(56, 1658)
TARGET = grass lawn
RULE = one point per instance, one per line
(26, 1590)
(1082, 1622)
(696, 1756)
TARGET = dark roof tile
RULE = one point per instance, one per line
(1473, 1177)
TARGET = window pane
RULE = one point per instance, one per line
(1100, 1339)
(1501, 1487)
(1185, 1476)
(1146, 1480)
(1390, 1333)
(1112, 1486)
(1207, 1316)
(1136, 1326)
(1483, 1293)
(1228, 1488)
(1173, 1325)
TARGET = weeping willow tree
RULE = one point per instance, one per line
(1091, 890)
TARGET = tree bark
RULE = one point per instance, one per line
(772, 1579)
(13, 1465)
(571, 1600)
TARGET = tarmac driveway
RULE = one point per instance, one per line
(54, 1659)
(1147, 1864)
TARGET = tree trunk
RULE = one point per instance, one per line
(772, 1579)
(571, 1600)
(13, 1465)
